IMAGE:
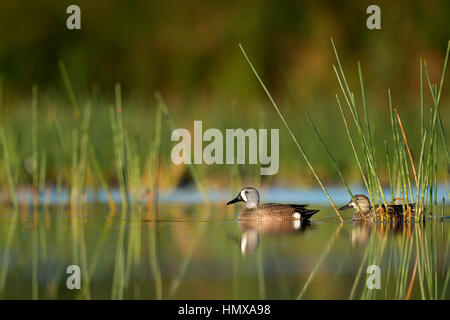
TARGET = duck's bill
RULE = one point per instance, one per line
(347, 206)
(237, 199)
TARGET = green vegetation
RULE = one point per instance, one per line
(46, 107)
(425, 183)
(400, 171)
(81, 117)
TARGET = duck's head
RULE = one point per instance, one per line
(362, 201)
(248, 195)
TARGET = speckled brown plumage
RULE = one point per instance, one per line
(276, 211)
(269, 211)
(395, 212)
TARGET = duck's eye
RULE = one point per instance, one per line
(246, 192)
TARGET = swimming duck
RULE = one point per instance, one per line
(269, 211)
(395, 211)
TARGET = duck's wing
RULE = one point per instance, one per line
(398, 209)
(302, 209)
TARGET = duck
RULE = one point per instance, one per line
(269, 211)
(395, 211)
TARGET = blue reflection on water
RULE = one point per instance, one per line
(191, 195)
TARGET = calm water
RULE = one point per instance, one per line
(201, 252)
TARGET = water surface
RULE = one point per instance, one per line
(202, 252)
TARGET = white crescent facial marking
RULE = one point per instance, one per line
(243, 196)
(297, 216)
(297, 224)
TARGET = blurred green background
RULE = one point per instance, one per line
(189, 52)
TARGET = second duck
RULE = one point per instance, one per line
(395, 212)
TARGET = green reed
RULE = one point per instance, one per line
(366, 161)
(325, 253)
(296, 141)
(400, 162)
(154, 165)
(341, 176)
(92, 154)
(410, 268)
(118, 135)
(199, 181)
(155, 259)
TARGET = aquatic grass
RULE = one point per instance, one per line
(376, 249)
(92, 154)
(199, 181)
(426, 248)
(341, 176)
(8, 169)
(373, 255)
(133, 260)
(327, 250)
(335, 276)
(436, 94)
(404, 259)
(34, 276)
(118, 281)
(80, 253)
(447, 273)
(409, 260)
(119, 146)
(6, 251)
(154, 167)
(406, 145)
(175, 284)
(79, 159)
(425, 177)
(358, 274)
(34, 143)
(296, 141)
(370, 175)
(447, 155)
(54, 124)
(155, 258)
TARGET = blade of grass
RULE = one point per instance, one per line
(300, 148)
(192, 168)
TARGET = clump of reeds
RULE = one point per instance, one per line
(400, 162)
(82, 127)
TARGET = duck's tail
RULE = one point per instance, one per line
(305, 215)
(301, 209)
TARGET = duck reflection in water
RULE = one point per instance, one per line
(362, 230)
(253, 230)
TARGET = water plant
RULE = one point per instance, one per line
(399, 159)
(296, 141)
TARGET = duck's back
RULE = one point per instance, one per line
(395, 211)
